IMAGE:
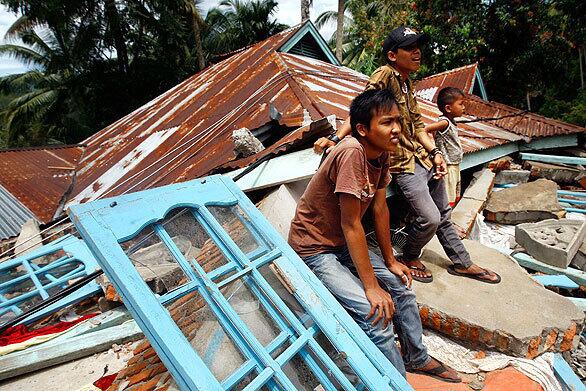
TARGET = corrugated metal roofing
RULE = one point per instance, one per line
(39, 177)
(525, 124)
(13, 214)
(186, 132)
(462, 78)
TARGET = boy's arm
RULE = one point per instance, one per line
(441, 169)
(379, 299)
(382, 231)
(325, 143)
(438, 126)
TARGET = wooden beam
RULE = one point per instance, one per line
(554, 159)
(529, 262)
(48, 354)
(557, 280)
(565, 374)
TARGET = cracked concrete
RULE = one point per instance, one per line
(527, 202)
(518, 316)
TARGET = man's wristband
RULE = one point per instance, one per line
(434, 152)
(334, 137)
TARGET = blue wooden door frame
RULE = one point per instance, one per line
(76, 251)
(105, 223)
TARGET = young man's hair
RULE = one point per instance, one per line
(447, 96)
(369, 104)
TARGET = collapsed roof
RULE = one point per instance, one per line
(272, 88)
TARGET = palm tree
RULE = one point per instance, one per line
(236, 24)
(197, 25)
(305, 4)
(340, 29)
(357, 50)
(40, 93)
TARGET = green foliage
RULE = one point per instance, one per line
(235, 24)
(94, 61)
(366, 24)
(523, 47)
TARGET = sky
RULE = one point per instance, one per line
(288, 12)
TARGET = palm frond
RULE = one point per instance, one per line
(23, 54)
(22, 24)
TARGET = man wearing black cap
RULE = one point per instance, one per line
(417, 165)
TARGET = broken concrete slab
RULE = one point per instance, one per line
(512, 177)
(527, 202)
(579, 260)
(554, 242)
(518, 316)
(29, 238)
(86, 370)
(279, 206)
(473, 200)
(554, 172)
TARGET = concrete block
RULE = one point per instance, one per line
(512, 177)
(473, 200)
(579, 260)
(481, 185)
(560, 174)
(279, 206)
(517, 316)
(464, 213)
(528, 202)
(554, 242)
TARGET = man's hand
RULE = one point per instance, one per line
(323, 143)
(402, 271)
(381, 304)
(441, 169)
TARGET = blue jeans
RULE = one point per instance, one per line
(428, 201)
(337, 272)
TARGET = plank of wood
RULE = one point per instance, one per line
(46, 355)
(565, 374)
(529, 262)
(553, 159)
(558, 280)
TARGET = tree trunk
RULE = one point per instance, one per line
(340, 30)
(114, 22)
(305, 10)
(201, 62)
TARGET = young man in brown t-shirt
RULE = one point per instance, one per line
(328, 234)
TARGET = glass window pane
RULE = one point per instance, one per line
(200, 327)
(154, 262)
(251, 311)
(238, 226)
(192, 239)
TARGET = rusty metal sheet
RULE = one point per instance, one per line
(39, 177)
(527, 124)
(462, 78)
(186, 132)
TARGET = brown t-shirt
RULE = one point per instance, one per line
(316, 227)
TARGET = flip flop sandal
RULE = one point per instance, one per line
(476, 276)
(435, 373)
(426, 279)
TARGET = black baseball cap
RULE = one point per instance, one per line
(401, 37)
